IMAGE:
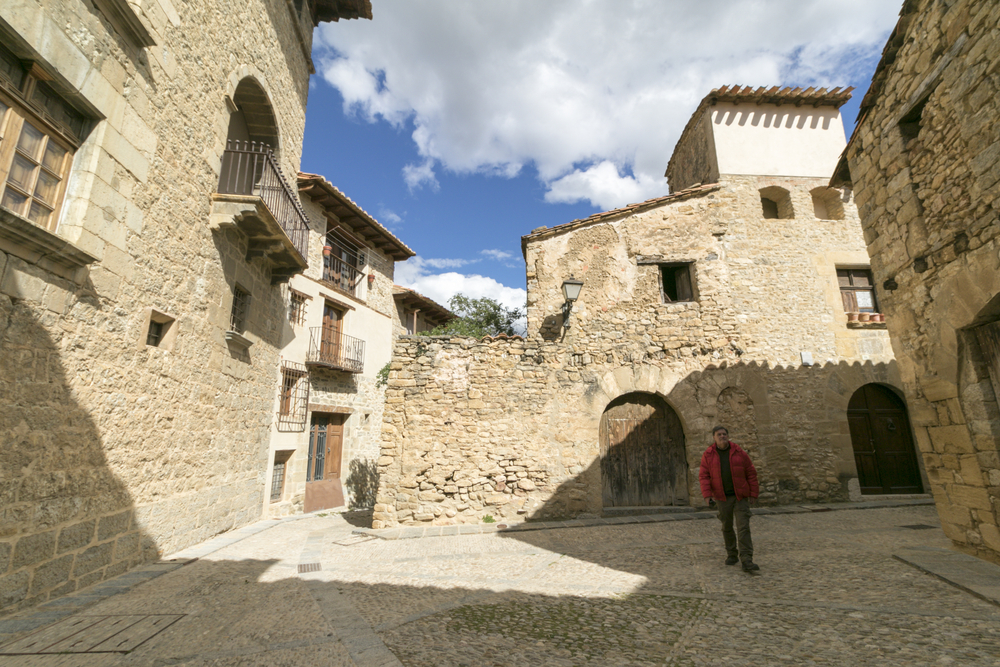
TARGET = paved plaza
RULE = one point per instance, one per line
(311, 591)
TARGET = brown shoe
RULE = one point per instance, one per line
(750, 566)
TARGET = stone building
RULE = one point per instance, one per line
(341, 324)
(924, 160)
(725, 301)
(416, 313)
(146, 229)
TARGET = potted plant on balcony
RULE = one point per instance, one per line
(327, 250)
(852, 317)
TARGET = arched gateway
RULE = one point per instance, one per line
(643, 461)
(883, 442)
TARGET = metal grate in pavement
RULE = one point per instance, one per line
(308, 567)
(92, 634)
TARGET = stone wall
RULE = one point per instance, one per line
(113, 452)
(924, 163)
(694, 160)
(510, 428)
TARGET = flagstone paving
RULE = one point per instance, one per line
(829, 592)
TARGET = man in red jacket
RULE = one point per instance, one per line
(728, 477)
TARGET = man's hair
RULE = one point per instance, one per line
(719, 428)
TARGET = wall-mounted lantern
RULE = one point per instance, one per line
(571, 292)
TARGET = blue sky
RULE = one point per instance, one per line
(462, 126)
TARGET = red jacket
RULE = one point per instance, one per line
(744, 474)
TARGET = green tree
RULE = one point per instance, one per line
(478, 318)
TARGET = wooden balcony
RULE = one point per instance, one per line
(331, 349)
(254, 197)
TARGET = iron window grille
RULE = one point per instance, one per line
(857, 290)
(296, 308)
(241, 306)
(277, 481)
(155, 334)
(293, 401)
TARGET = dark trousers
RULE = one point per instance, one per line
(738, 542)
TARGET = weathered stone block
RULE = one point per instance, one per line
(92, 559)
(51, 574)
(32, 549)
(13, 588)
(116, 524)
(76, 536)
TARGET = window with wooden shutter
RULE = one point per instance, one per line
(857, 290)
(676, 282)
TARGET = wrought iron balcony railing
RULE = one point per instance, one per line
(328, 347)
(250, 168)
(341, 275)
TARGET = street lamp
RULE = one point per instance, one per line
(571, 292)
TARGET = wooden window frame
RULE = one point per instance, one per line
(12, 122)
(679, 290)
(849, 289)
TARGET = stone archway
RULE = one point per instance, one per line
(643, 459)
(883, 442)
(253, 120)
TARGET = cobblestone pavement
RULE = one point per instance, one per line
(829, 592)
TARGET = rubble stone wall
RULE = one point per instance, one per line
(113, 452)
(928, 193)
(510, 428)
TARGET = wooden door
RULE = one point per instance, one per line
(883, 442)
(643, 460)
(326, 442)
(330, 340)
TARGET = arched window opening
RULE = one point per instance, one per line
(827, 204)
(253, 120)
(776, 202)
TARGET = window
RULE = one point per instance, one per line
(38, 133)
(676, 282)
(278, 478)
(857, 290)
(776, 202)
(909, 125)
(827, 204)
(293, 398)
(297, 308)
(160, 330)
(241, 307)
(155, 334)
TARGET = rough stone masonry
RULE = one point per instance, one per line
(510, 428)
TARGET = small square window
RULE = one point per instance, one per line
(160, 330)
(676, 282)
(857, 290)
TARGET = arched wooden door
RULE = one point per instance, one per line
(643, 462)
(883, 442)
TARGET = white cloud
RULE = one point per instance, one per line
(389, 217)
(414, 274)
(593, 93)
(419, 175)
(498, 255)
